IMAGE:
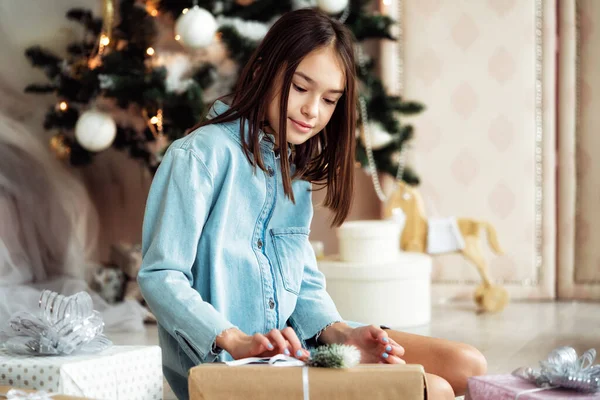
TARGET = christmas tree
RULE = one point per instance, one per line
(146, 72)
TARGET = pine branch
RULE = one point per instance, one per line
(86, 19)
(371, 27)
(136, 26)
(40, 88)
(182, 111)
(239, 47)
(79, 50)
(385, 162)
(79, 156)
(410, 107)
(174, 7)
(261, 10)
(56, 119)
(204, 76)
(41, 58)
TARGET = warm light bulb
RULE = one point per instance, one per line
(185, 10)
(177, 37)
(150, 51)
(154, 13)
(63, 106)
(154, 120)
(104, 40)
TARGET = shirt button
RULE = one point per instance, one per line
(271, 303)
(259, 244)
(270, 171)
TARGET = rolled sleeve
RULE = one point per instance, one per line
(177, 208)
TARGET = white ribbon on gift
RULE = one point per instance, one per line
(278, 360)
(14, 394)
(533, 391)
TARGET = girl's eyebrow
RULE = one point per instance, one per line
(312, 81)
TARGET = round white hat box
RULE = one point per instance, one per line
(369, 241)
(396, 294)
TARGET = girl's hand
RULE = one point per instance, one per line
(240, 345)
(375, 346)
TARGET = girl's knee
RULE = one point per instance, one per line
(467, 362)
(474, 362)
(438, 388)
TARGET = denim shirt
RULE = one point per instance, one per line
(223, 246)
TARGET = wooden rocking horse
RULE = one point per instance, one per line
(415, 237)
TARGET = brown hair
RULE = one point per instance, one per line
(326, 159)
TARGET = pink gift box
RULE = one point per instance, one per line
(508, 387)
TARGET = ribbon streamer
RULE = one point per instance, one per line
(278, 360)
(108, 18)
(564, 369)
(14, 394)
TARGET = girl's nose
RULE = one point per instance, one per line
(310, 108)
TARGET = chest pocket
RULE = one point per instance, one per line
(290, 245)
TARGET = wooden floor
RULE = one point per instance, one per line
(522, 335)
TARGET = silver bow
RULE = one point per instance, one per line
(564, 369)
(65, 324)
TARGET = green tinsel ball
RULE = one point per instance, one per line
(334, 356)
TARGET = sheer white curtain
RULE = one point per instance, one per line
(48, 225)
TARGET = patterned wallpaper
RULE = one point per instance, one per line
(473, 64)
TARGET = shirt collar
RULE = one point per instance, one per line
(219, 107)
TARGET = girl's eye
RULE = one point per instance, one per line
(331, 102)
(298, 88)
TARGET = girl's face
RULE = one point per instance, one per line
(317, 85)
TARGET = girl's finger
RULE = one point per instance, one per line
(297, 350)
(378, 334)
(391, 359)
(276, 337)
(394, 348)
(263, 342)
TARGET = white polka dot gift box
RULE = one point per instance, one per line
(119, 372)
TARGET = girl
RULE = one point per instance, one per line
(227, 266)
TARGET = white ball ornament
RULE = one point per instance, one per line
(196, 28)
(95, 130)
(332, 6)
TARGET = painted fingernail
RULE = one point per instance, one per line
(286, 352)
(270, 346)
(388, 348)
(384, 355)
(385, 340)
(299, 353)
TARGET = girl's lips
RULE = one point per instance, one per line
(301, 126)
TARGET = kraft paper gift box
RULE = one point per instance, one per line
(218, 381)
(119, 372)
(508, 387)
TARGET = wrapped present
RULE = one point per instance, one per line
(127, 257)
(119, 372)
(11, 393)
(509, 387)
(563, 375)
(219, 381)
